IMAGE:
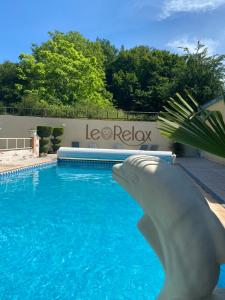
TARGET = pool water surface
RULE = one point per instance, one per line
(70, 232)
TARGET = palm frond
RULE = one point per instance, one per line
(185, 122)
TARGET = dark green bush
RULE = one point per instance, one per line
(57, 132)
(43, 145)
(55, 147)
(55, 140)
(44, 142)
(44, 133)
(43, 149)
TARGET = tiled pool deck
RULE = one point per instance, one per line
(210, 177)
(20, 164)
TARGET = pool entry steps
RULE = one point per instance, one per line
(107, 155)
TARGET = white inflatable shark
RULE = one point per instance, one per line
(178, 223)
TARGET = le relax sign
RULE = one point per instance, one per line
(130, 137)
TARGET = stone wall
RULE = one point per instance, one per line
(15, 155)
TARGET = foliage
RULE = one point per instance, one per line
(68, 73)
(44, 132)
(110, 51)
(43, 148)
(142, 78)
(55, 145)
(31, 105)
(30, 101)
(185, 122)
(65, 70)
(43, 143)
(57, 131)
(201, 74)
(56, 141)
(8, 80)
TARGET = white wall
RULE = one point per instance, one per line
(213, 157)
(218, 106)
(105, 133)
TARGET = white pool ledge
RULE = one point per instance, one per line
(109, 154)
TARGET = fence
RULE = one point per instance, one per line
(73, 113)
(7, 144)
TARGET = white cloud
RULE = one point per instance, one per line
(191, 44)
(175, 6)
(148, 6)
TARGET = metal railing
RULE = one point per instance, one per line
(7, 144)
(73, 113)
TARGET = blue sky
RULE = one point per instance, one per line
(164, 24)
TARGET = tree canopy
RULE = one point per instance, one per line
(8, 80)
(142, 78)
(70, 70)
(66, 69)
(202, 75)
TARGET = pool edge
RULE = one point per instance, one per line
(16, 170)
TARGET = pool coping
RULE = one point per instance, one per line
(90, 161)
(205, 187)
(14, 170)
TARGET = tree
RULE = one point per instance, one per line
(110, 51)
(125, 85)
(8, 80)
(70, 70)
(201, 74)
(65, 70)
(142, 78)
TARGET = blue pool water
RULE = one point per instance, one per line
(70, 233)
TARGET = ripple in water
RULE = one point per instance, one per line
(70, 233)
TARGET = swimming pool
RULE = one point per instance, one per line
(69, 232)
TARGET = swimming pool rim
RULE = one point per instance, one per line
(26, 168)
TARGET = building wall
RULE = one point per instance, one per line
(103, 133)
(213, 157)
(219, 106)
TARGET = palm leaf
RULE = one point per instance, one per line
(185, 122)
